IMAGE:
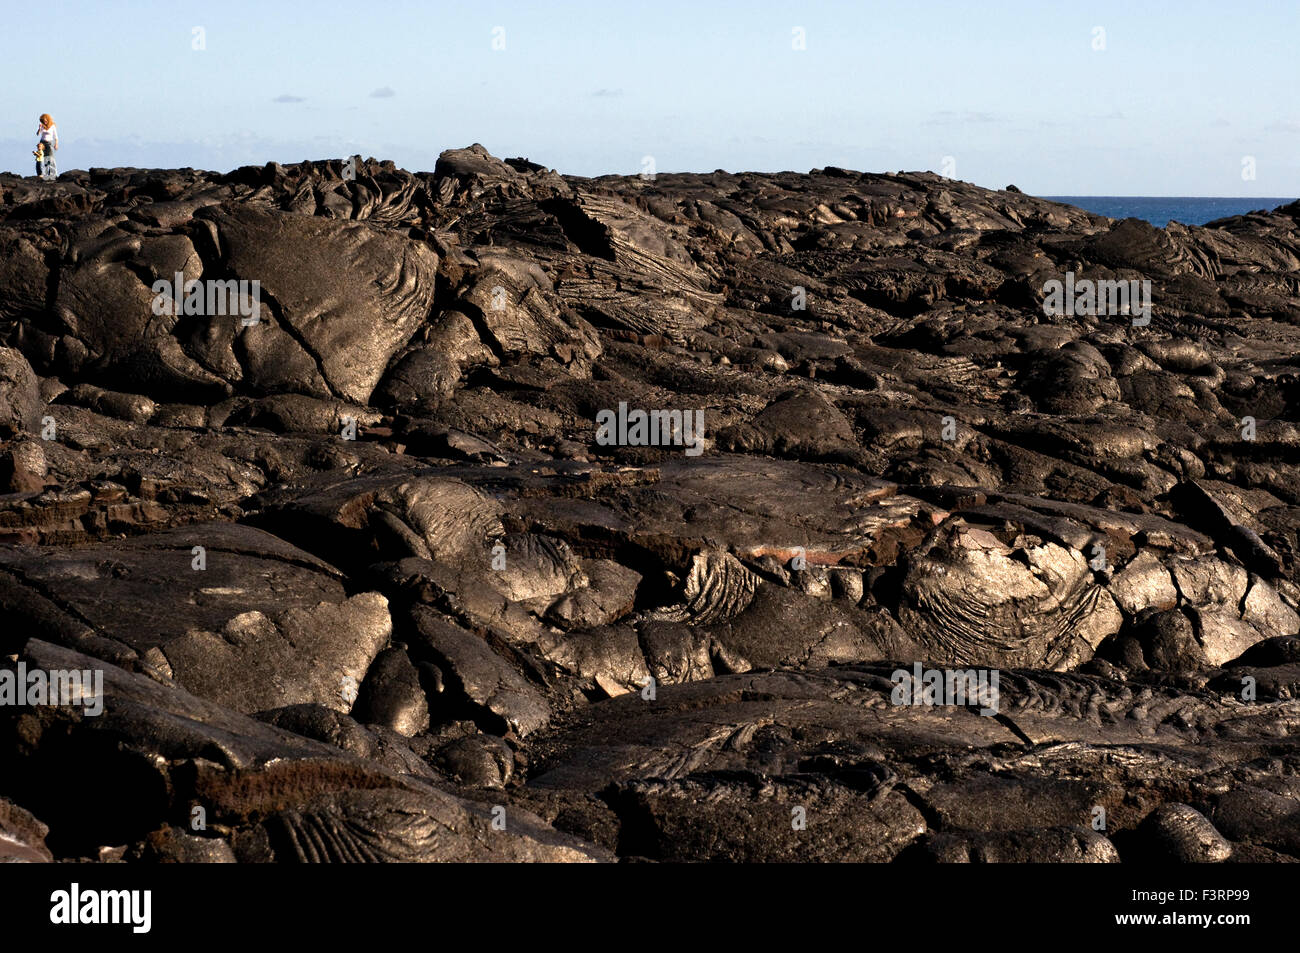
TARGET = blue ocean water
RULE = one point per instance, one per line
(1161, 210)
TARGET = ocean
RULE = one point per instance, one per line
(1161, 210)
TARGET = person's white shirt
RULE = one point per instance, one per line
(50, 135)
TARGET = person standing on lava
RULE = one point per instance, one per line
(47, 143)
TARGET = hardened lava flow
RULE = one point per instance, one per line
(495, 514)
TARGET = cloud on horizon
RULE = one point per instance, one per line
(948, 116)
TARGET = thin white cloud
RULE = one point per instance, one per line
(946, 117)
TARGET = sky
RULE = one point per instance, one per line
(1056, 96)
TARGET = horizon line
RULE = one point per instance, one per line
(1040, 195)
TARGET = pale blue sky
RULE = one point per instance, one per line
(1012, 91)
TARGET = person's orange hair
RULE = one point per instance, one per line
(47, 120)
